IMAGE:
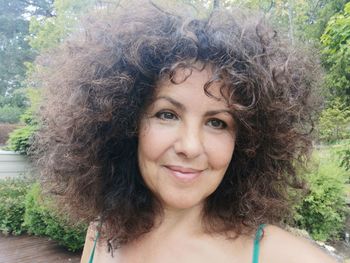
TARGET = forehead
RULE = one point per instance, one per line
(194, 83)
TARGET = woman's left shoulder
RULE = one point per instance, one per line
(279, 245)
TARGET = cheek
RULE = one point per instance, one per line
(220, 150)
(153, 142)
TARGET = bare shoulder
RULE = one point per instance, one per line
(279, 245)
(89, 242)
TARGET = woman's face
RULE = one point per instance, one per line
(186, 141)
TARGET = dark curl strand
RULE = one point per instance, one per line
(98, 83)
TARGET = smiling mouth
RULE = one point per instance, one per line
(183, 174)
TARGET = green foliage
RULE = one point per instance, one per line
(10, 114)
(15, 51)
(316, 15)
(322, 212)
(12, 205)
(20, 139)
(23, 209)
(29, 116)
(12, 106)
(42, 219)
(305, 19)
(17, 98)
(334, 122)
(345, 160)
(71, 237)
(336, 54)
(33, 220)
(47, 32)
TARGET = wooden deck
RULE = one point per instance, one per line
(33, 249)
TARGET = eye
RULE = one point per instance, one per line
(217, 124)
(166, 115)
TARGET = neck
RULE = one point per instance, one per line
(180, 221)
(173, 227)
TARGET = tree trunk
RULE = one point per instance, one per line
(290, 19)
(216, 4)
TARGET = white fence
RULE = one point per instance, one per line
(12, 164)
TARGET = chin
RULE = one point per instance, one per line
(181, 203)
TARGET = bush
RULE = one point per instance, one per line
(20, 139)
(334, 122)
(33, 220)
(12, 205)
(42, 219)
(71, 237)
(22, 209)
(323, 211)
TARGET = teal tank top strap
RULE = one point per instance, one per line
(258, 235)
(91, 259)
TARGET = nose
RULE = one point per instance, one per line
(189, 143)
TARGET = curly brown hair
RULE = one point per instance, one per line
(99, 82)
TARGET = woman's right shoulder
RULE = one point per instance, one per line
(89, 242)
(278, 245)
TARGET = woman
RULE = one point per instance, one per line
(178, 137)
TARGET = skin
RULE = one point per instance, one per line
(179, 137)
(185, 135)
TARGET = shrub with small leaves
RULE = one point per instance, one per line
(41, 218)
(334, 122)
(323, 211)
(33, 220)
(12, 204)
(20, 139)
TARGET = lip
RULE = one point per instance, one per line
(183, 174)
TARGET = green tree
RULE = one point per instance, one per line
(14, 47)
(334, 122)
(319, 13)
(322, 212)
(46, 31)
(299, 19)
(15, 52)
(336, 54)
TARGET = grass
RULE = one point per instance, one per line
(331, 151)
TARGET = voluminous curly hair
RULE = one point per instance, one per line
(99, 82)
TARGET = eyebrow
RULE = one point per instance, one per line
(182, 107)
